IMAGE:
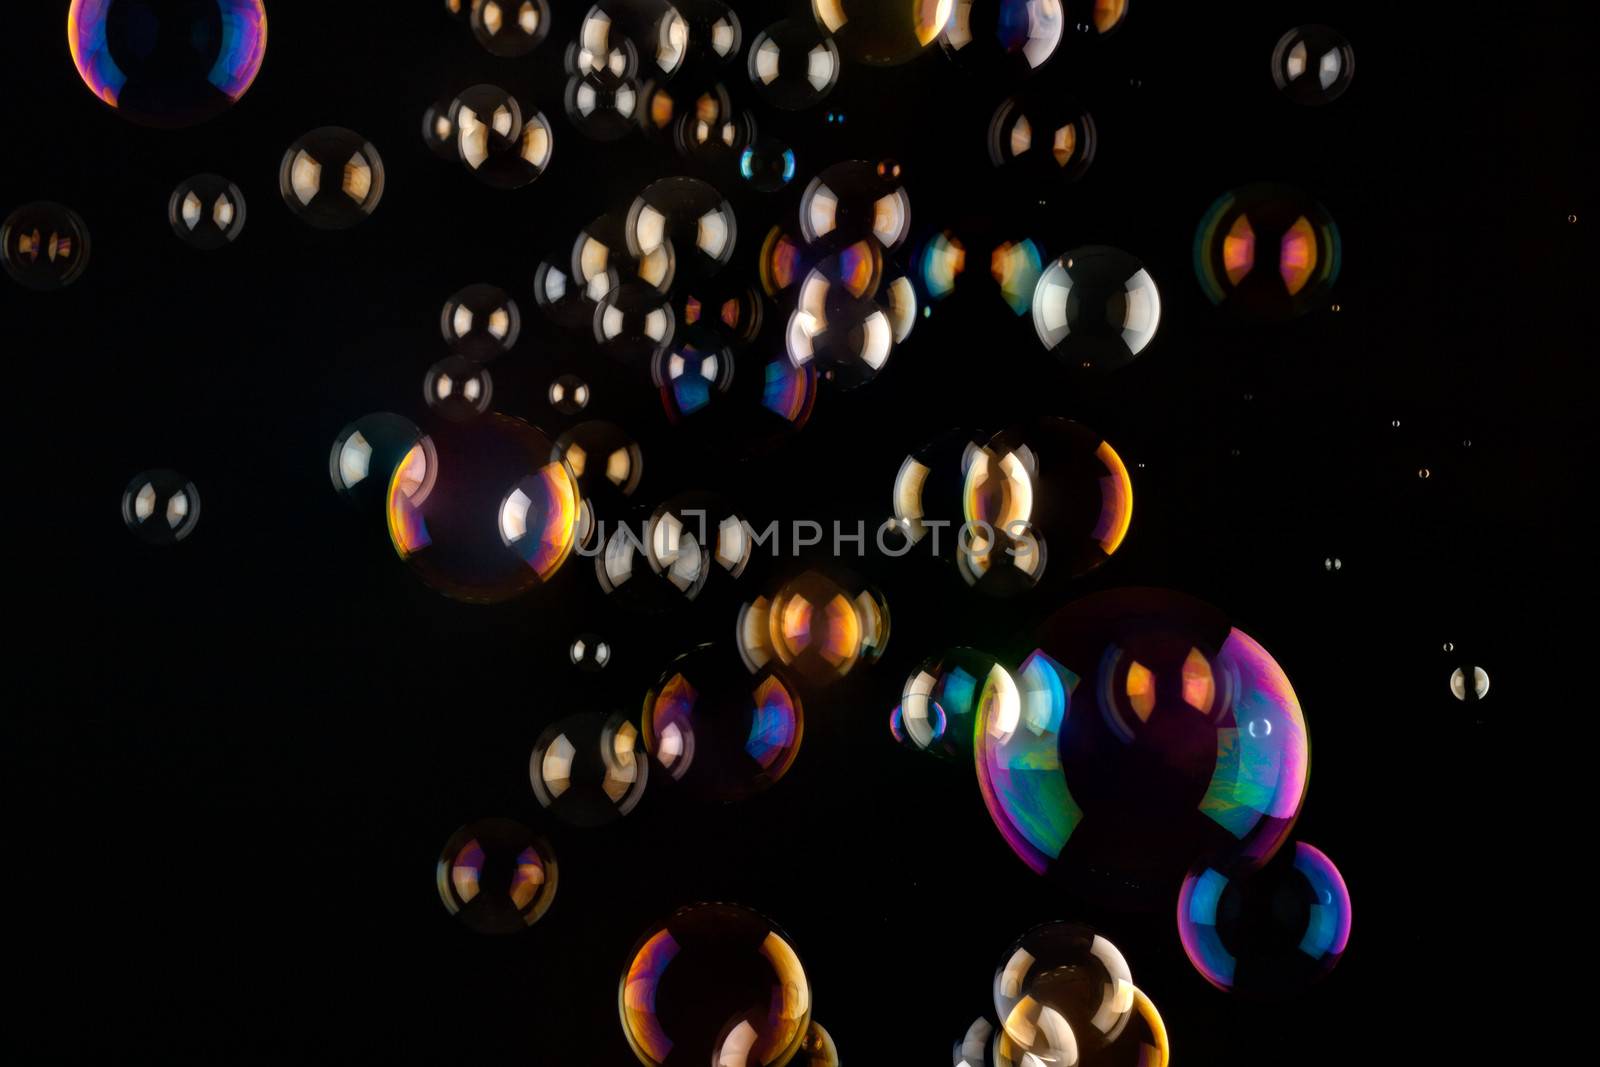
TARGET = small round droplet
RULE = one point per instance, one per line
(331, 178)
(161, 507)
(569, 394)
(590, 652)
(44, 246)
(1480, 683)
(496, 876)
(458, 388)
(207, 212)
(1449, 646)
(1394, 424)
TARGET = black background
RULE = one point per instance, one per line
(231, 764)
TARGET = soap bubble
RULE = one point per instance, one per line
(793, 66)
(44, 246)
(589, 769)
(161, 507)
(496, 876)
(206, 212)
(1097, 308)
(331, 178)
(1313, 65)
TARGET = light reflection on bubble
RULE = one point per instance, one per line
(688, 213)
(820, 625)
(496, 876)
(882, 34)
(1267, 252)
(457, 388)
(44, 246)
(939, 704)
(941, 263)
(207, 212)
(589, 769)
(1096, 308)
(510, 28)
(1313, 65)
(331, 178)
(161, 507)
(1044, 135)
(1003, 35)
(793, 66)
(852, 201)
(1063, 994)
(481, 319)
(1016, 267)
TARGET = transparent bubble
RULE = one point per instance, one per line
(714, 132)
(482, 320)
(438, 131)
(838, 324)
(1267, 252)
(501, 145)
(602, 260)
(853, 201)
(692, 216)
(692, 375)
(1044, 136)
(206, 212)
(768, 164)
(972, 1049)
(713, 34)
(816, 1049)
(783, 260)
(930, 489)
(881, 34)
(561, 297)
(161, 507)
(819, 625)
(715, 983)
(480, 510)
(1268, 934)
(793, 65)
(1016, 267)
(331, 178)
(590, 653)
(167, 64)
(1480, 683)
(939, 704)
(1002, 36)
(568, 394)
(654, 29)
(727, 307)
(365, 456)
(604, 459)
(611, 66)
(1148, 733)
(634, 323)
(458, 388)
(1063, 994)
(1142, 1042)
(496, 876)
(602, 109)
(1096, 307)
(1313, 65)
(1333, 563)
(719, 730)
(696, 537)
(589, 769)
(44, 246)
(510, 28)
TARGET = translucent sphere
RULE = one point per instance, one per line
(719, 730)
(1016, 267)
(496, 876)
(481, 320)
(167, 63)
(1313, 65)
(605, 460)
(930, 490)
(1043, 135)
(714, 132)
(768, 164)
(206, 212)
(690, 214)
(854, 201)
(1001, 36)
(816, 1049)
(44, 246)
(457, 388)
(1141, 1042)
(713, 35)
(848, 338)
(510, 28)
(1105, 16)
(784, 259)
(366, 454)
(939, 704)
(1267, 252)
(634, 323)
(654, 29)
(568, 394)
(332, 178)
(590, 653)
(439, 131)
(161, 507)
(715, 983)
(601, 108)
(1096, 307)
(501, 145)
(882, 34)
(692, 375)
(1147, 733)
(1063, 994)
(481, 511)
(1269, 933)
(972, 1050)
(696, 537)
(562, 297)
(1477, 690)
(793, 66)
(589, 769)
(602, 259)
(819, 626)
(724, 307)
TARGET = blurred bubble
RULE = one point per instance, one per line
(782, 261)
(1148, 733)
(480, 510)
(713, 131)
(939, 704)
(634, 323)
(692, 375)
(481, 319)
(561, 297)
(458, 9)
(882, 34)
(838, 324)
(658, 111)
(366, 454)
(610, 64)
(510, 28)
(1141, 1042)
(1267, 252)
(44, 246)
(715, 983)
(602, 260)
(569, 394)
(496, 876)
(724, 306)
(690, 214)
(719, 730)
(331, 178)
(1096, 307)
(589, 769)
(590, 653)
(206, 212)
(1063, 994)
(1313, 65)
(853, 201)
(999, 36)
(713, 34)
(605, 460)
(941, 262)
(793, 66)
(161, 507)
(1480, 683)
(972, 1050)
(820, 625)
(654, 29)
(930, 489)
(1270, 933)
(439, 131)
(816, 1049)
(898, 298)
(602, 109)
(1016, 267)
(695, 536)
(1043, 135)
(167, 64)
(501, 145)
(1333, 563)
(1106, 16)
(457, 388)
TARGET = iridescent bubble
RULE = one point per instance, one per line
(692, 375)
(1003, 36)
(1141, 1042)
(510, 28)
(601, 108)
(164, 63)
(793, 66)
(1016, 267)
(1313, 65)
(161, 507)
(1267, 252)
(496, 876)
(1270, 933)
(726, 306)
(768, 164)
(459, 10)
(1480, 683)
(458, 388)
(783, 260)
(482, 320)
(602, 260)
(439, 131)
(1063, 994)
(568, 394)
(501, 145)
(715, 983)
(634, 323)
(589, 769)
(882, 34)
(366, 454)
(590, 653)
(44, 246)
(1043, 135)
(719, 730)
(853, 201)
(1106, 16)
(816, 1049)
(940, 703)
(480, 510)
(819, 625)
(206, 212)
(604, 459)
(940, 262)
(331, 178)
(1148, 733)
(1096, 307)
(691, 215)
